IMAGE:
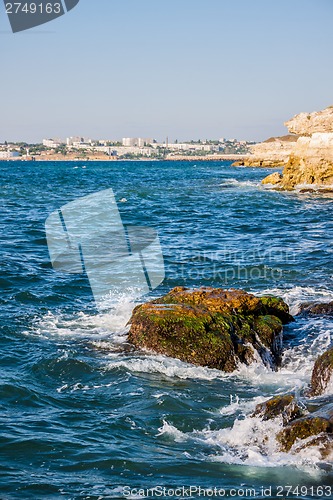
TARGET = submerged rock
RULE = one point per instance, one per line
(323, 442)
(317, 425)
(322, 373)
(212, 327)
(300, 428)
(316, 308)
(279, 406)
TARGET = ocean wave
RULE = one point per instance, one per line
(294, 296)
(95, 327)
(229, 183)
(250, 441)
(240, 405)
(163, 365)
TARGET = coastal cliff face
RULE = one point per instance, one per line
(311, 123)
(310, 162)
(274, 152)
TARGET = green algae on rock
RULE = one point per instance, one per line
(212, 327)
(280, 406)
(317, 425)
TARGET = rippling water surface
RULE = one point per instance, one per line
(82, 415)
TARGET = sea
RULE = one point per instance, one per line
(86, 416)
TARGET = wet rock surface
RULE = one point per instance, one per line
(322, 373)
(318, 426)
(316, 308)
(212, 327)
(308, 423)
(280, 406)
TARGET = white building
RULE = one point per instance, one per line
(73, 141)
(140, 142)
(6, 155)
(52, 143)
(186, 147)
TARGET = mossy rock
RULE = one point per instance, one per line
(211, 327)
(277, 307)
(302, 429)
(279, 406)
(318, 424)
(322, 373)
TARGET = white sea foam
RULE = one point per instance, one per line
(249, 441)
(164, 366)
(296, 295)
(241, 406)
(98, 328)
(237, 183)
(301, 358)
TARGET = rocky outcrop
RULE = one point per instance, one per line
(316, 308)
(273, 179)
(315, 425)
(272, 153)
(322, 374)
(212, 327)
(301, 428)
(306, 124)
(310, 162)
(279, 406)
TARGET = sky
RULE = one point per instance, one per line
(186, 69)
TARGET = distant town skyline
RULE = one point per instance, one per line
(191, 69)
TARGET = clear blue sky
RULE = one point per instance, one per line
(182, 68)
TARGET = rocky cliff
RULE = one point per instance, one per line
(311, 123)
(310, 161)
(274, 152)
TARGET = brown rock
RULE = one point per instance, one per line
(279, 406)
(212, 327)
(316, 308)
(311, 162)
(318, 424)
(322, 373)
(275, 178)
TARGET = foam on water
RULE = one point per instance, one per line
(239, 184)
(294, 296)
(95, 327)
(163, 365)
(240, 405)
(250, 441)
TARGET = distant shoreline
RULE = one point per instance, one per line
(210, 158)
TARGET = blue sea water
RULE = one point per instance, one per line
(85, 416)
